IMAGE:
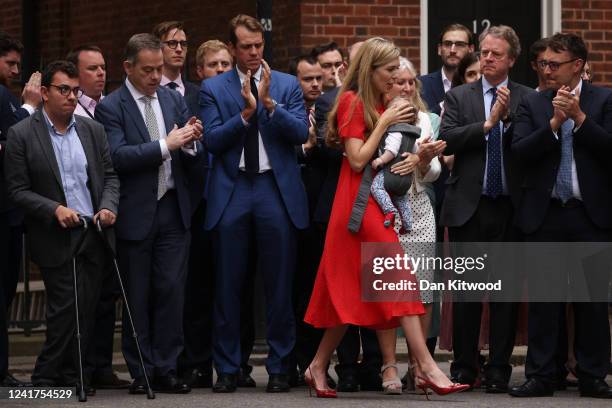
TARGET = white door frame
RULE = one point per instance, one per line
(550, 23)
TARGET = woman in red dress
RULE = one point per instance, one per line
(357, 123)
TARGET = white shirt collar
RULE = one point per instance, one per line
(242, 75)
(178, 81)
(445, 81)
(578, 88)
(136, 94)
(486, 85)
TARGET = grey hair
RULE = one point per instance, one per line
(505, 33)
(405, 64)
(139, 42)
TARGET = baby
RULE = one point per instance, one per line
(388, 189)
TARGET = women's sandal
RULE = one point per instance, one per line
(394, 385)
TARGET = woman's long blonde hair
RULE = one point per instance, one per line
(375, 52)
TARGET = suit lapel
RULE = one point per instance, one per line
(478, 101)
(42, 132)
(439, 89)
(85, 137)
(586, 97)
(234, 88)
(167, 108)
(129, 105)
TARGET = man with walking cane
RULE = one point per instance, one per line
(59, 171)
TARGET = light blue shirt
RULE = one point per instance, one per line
(72, 164)
(488, 98)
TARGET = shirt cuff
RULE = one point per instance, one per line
(164, 149)
(244, 122)
(29, 108)
(555, 135)
(192, 150)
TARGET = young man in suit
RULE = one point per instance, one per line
(563, 138)
(482, 192)
(154, 145)
(11, 230)
(58, 168)
(254, 118)
(456, 41)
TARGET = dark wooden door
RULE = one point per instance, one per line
(522, 15)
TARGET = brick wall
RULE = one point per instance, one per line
(592, 19)
(349, 21)
(10, 20)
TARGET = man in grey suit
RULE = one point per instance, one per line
(482, 194)
(58, 168)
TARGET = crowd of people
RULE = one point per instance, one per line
(256, 171)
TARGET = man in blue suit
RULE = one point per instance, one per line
(154, 144)
(253, 119)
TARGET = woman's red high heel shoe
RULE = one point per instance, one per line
(425, 384)
(319, 393)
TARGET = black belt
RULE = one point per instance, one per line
(571, 203)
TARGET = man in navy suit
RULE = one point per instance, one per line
(11, 112)
(253, 119)
(456, 41)
(563, 139)
(154, 144)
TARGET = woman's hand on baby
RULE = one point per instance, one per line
(407, 165)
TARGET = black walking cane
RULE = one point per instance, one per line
(150, 394)
(81, 389)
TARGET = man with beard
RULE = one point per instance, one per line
(456, 41)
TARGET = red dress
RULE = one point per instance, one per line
(336, 296)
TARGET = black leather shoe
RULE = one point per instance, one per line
(348, 383)
(89, 390)
(532, 388)
(594, 388)
(244, 378)
(463, 378)
(138, 386)
(109, 382)
(496, 387)
(170, 384)
(197, 378)
(225, 383)
(10, 381)
(278, 383)
(370, 381)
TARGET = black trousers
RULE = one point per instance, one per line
(492, 222)
(547, 341)
(348, 353)
(57, 364)
(156, 269)
(10, 253)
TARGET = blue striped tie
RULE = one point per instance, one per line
(494, 186)
(563, 186)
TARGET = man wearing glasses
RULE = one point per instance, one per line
(481, 196)
(58, 168)
(174, 47)
(456, 41)
(563, 139)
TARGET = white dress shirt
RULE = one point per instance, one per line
(180, 86)
(86, 104)
(264, 162)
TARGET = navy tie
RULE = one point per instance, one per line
(563, 186)
(494, 187)
(251, 142)
(172, 85)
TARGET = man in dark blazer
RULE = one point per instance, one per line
(563, 139)
(58, 168)
(478, 206)
(455, 42)
(254, 118)
(154, 145)
(11, 229)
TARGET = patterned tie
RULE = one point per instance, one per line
(494, 186)
(563, 186)
(151, 122)
(172, 85)
(251, 142)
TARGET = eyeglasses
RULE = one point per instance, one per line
(172, 44)
(457, 44)
(553, 65)
(65, 90)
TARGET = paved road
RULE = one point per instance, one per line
(298, 397)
